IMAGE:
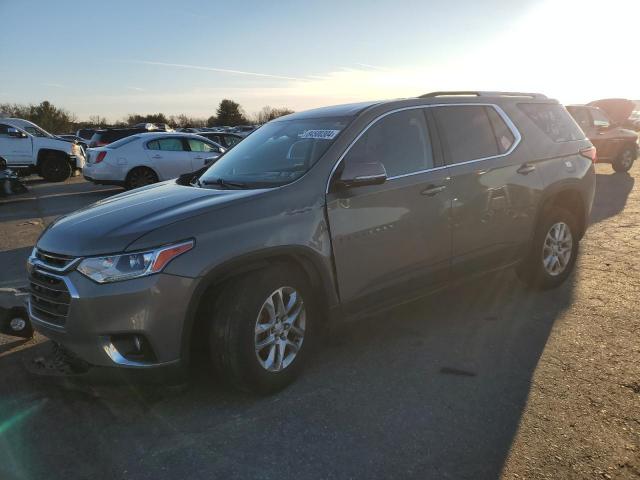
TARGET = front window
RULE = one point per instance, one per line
(276, 154)
(599, 118)
(200, 146)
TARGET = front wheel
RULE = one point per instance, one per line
(55, 168)
(553, 251)
(263, 328)
(625, 160)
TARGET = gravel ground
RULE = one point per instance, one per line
(485, 380)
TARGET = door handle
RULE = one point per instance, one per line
(526, 169)
(157, 156)
(198, 158)
(432, 190)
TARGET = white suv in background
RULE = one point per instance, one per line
(148, 158)
(25, 146)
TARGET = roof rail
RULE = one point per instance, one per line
(466, 93)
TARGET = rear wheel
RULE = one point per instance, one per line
(263, 328)
(625, 160)
(553, 252)
(55, 168)
(140, 177)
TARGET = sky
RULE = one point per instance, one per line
(116, 57)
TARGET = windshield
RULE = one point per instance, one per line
(277, 153)
(35, 131)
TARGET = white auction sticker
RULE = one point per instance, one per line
(319, 134)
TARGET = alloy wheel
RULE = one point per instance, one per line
(280, 329)
(627, 159)
(557, 249)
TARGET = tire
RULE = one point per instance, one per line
(625, 159)
(140, 177)
(242, 309)
(55, 168)
(537, 270)
(17, 323)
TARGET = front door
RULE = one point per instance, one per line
(392, 239)
(15, 150)
(603, 136)
(201, 152)
(169, 156)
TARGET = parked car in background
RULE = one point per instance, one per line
(145, 158)
(326, 214)
(28, 148)
(615, 145)
(226, 139)
(70, 137)
(243, 130)
(106, 136)
(86, 133)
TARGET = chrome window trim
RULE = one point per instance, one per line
(514, 130)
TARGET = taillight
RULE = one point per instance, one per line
(590, 153)
(100, 156)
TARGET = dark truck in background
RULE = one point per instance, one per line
(603, 122)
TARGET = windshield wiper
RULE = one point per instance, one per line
(223, 183)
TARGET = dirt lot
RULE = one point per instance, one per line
(487, 380)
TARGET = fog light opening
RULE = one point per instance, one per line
(134, 347)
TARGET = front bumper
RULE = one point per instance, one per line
(154, 307)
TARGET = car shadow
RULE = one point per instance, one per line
(431, 389)
(612, 191)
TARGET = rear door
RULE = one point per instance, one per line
(494, 187)
(392, 240)
(15, 150)
(169, 156)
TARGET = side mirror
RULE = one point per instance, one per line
(359, 174)
(15, 133)
(209, 160)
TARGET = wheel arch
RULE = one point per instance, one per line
(569, 197)
(44, 152)
(307, 260)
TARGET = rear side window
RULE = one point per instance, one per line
(469, 133)
(581, 116)
(399, 141)
(553, 120)
(166, 144)
(503, 134)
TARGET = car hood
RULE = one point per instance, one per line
(110, 225)
(618, 109)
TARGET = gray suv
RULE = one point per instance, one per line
(320, 215)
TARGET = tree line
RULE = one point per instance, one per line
(58, 120)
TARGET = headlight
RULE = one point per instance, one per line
(113, 268)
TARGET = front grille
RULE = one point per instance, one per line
(50, 297)
(54, 260)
